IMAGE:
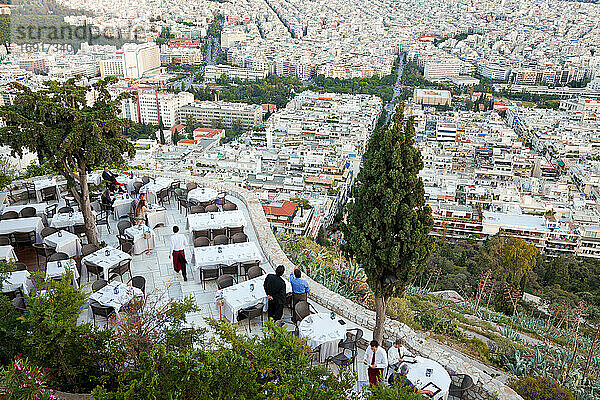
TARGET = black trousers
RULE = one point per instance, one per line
(275, 309)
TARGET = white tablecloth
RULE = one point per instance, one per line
(231, 253)
(53, 269)
(156, 215)
(40, 208)
(123, 205)
(67, 220)
(7, 253)
(240, 296)
(217, 220)
(67, 243)
(141, 244)
(107, 296)
(22, 225)
(42, 184)
(18, 279)
(100, 258)
(151, 189)
(320, 329)
(439, 376)
(202, 195)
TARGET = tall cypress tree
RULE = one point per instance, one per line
(387, 225)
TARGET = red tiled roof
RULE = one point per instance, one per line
(187, 141)
(207, 132)
(287, 209)
(177, 128)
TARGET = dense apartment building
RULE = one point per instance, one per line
(210, 113)
(214, 72)
(132, 62)
(435, 70)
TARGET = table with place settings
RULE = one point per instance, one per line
(107, 258)
(67, 220)
(202, 195)
(321, 329)
(143, 238)
(243, 295)
(152, 188)
(30, 224)
(438, 377)
(127, 181)
(210, 256)
(123, 205)
(16, 280)
(40, 208)
(94, 178)
(7, 253)
(156, 215)
(215, 220)
(55, 269)
(64, 242)
(42, 184)
(116, 295)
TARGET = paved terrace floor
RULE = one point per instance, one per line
(156, 267)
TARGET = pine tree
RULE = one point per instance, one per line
(387, 225)
(161, 129)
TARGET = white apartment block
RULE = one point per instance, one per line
(494, 71)
(133, 61)
(111, 67)
(214, 72)
(446, 132)
(436, 70)
(430, 97)
(208, 113)
(151, 106)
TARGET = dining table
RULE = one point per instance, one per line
(43, 183)
(143, 238)
(55, 269)
(215, 220)
(107, 258)
(325, 330)
(153, 187)
(156, 215)
(127, 181)
(202, 195)
(64, 242)
(243, 295)
(29, 224)
(210, 256)
(123, 205)
(116, 295)
(67, 219)
(7, 253)
(40, 208)
(428, 374)
(18, 280)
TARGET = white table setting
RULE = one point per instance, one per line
(321, 329)
(94, 178)
(427, 374)
(228, 254)
(123, 205)
(215, 220)
(64, 242)
(202, 195)
(243, 295)
(143, 238)
(152, 188)
(156, 215)
(55, 269)
(116, 295)
(42, 184)
(67, 220)
(30, 224)
(7, 253)
(40, 208)
(107, 258)
(18, 280)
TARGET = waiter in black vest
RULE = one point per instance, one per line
(275, 290)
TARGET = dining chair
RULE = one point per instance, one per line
(224, 281)
(229, 206)
(239, 237)
(28, 212)
(9, 215)
(201, 242)
(58, 256)
(47, 231)
(211, 208)
(121, 269)
(138, 282)
(254, 272)
(250, 313)
(93, 269)
(101, 311)
(208, 273)
(231, 269)
(220, 240)
(98, 284)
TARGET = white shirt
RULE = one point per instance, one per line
(380, 357)
(178, 242)
(396, 354)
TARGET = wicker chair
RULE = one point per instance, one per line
(99, 284)
(28, 212)
(122, 225)
(201, 242)
(229, 206)
(239, 237)
(59, 256)
(254, 272)
(47, 231)
(231, 269)
(220, 240)
(302, 310)
(138, 282)
(10, 215)
(101, 311)
(224, 281)
(211, 208)
(208, 273)
(88, 249)
(251, 313)
(196, 210)
(121, 269)
(191, 186)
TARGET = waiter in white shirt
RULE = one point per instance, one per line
(376, 359)
(177, 251)
(396, 354)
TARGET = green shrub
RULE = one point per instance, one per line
(399, 309)
(394, 392)
(540, 388)
(23, 381)
(431, 321)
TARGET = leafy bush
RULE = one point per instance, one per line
(399, 309)
(23, 381)
(394, 392)
(540, 388)
(434, 323)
